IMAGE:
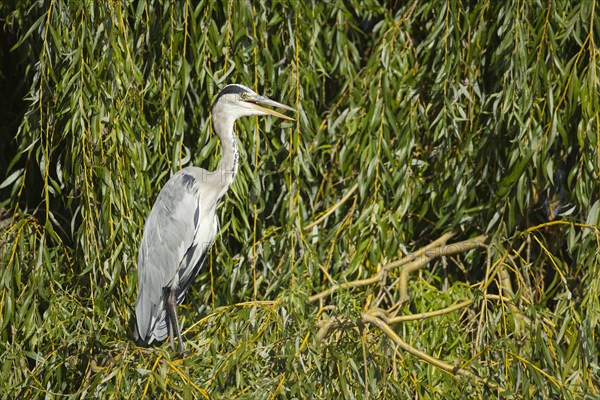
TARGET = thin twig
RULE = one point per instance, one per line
(332, 208)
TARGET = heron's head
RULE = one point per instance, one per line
(236, 101)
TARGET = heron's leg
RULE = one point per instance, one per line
(172, 311)
(170, 329)
(170, 318)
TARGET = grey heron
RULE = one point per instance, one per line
(182, 224)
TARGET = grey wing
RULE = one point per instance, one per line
(169, 235)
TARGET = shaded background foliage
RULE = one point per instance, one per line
(413, 120)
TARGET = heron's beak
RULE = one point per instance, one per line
(257, 103)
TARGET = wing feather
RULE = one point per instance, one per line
(171, 251)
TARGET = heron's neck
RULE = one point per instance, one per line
(229, 162)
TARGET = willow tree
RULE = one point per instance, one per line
(428, 227)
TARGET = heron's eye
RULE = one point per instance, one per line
(244, 96)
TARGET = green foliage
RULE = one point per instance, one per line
(414, 119)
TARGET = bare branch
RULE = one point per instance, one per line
(347, 285)
(447, 310)
(410, 257)
(409, 264)
(435, 252)
(454, 370)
